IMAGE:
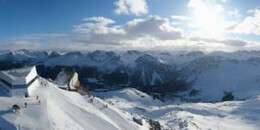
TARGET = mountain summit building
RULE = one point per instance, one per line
(67, 79)
(19, 82)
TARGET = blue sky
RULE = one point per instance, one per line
(45, 24)
(20, 17)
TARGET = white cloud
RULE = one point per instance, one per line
(225, 1)
(20, 45)
(234, 42)
(227, 41)
(234, 14)
(152, 26)
(250, 24)
(208, 18)
(100, 20)
(135, 7)
(97, 25)
(103, 32)
(180, 17)
(152, 32)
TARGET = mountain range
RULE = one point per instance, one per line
(194, 75)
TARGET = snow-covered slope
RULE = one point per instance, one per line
(240, 78)
(62, 110)
(177, 115)
(130, 97)
(213, 75)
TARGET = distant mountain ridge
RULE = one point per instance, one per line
(165, 72)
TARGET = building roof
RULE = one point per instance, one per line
(16, 74)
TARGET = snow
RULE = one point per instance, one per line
(238, 115)
(102, 60)
(22, 55)
(212, 73)
(17, 74)
(156, 77)
(129, 58)
(60, 109)
(143, 76)
(240, 78)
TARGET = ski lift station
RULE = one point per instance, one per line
(67, 79)
(19, 82)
